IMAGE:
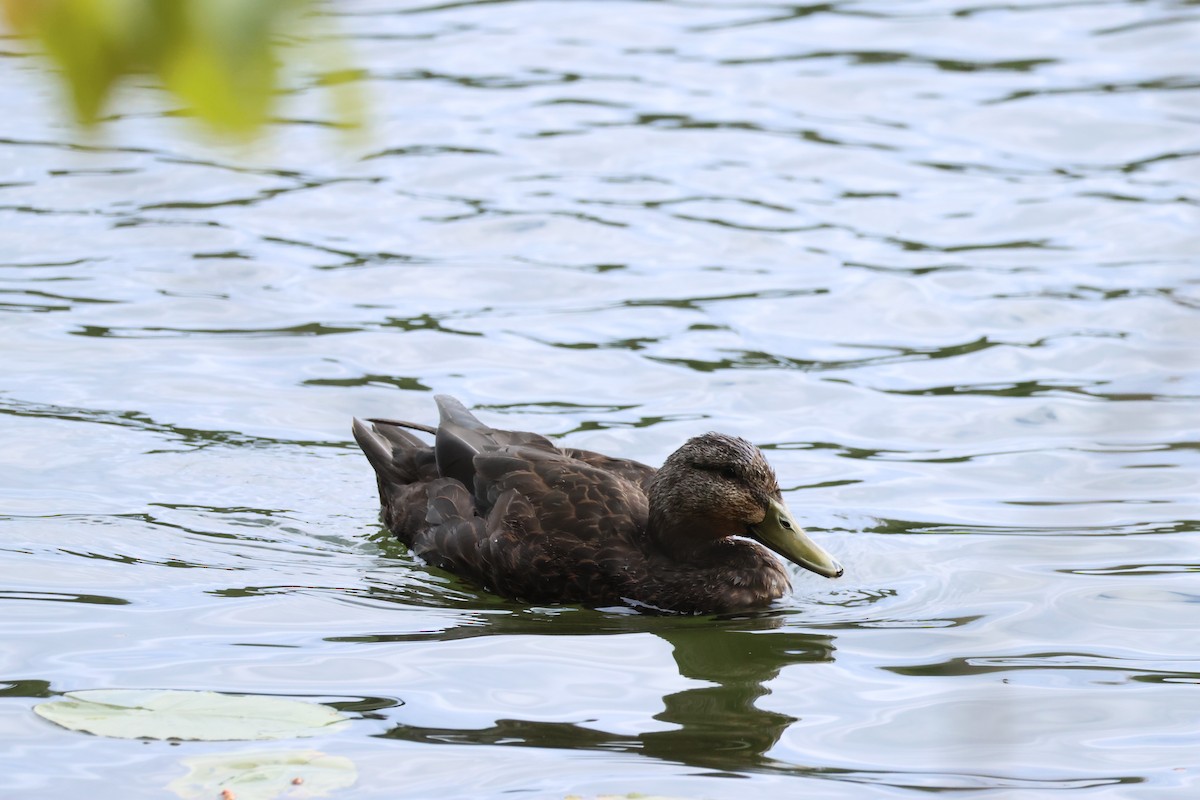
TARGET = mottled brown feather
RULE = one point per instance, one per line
(549, 525)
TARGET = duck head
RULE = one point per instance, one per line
(716, 486)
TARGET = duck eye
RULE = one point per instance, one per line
(729, 473)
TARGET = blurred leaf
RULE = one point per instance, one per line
(83, 37)
(223, 68)
(218, 57)
(205, 716)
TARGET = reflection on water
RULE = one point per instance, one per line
(937, 258)
(721, 727)
(717, 726)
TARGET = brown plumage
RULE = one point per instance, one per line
(544, 524)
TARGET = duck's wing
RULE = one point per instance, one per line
(461, 437)
(633, 471)
(405, 465)
(541, 527)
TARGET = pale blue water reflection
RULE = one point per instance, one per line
(938, 258)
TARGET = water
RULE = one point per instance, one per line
(939, 259)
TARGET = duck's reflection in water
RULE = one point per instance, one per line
(718, 726)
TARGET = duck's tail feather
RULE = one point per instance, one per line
(399, 458)
(404, 466)
(399, 423)
(377, 448)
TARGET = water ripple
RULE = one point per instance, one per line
(937, 258)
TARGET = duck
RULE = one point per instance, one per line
(521, 517)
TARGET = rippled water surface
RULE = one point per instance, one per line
(940, 259)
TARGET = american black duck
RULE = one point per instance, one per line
(544, 524)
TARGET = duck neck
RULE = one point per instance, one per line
(683, 537)
(710, 573)
(675, 525)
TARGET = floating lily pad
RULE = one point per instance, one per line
(264, 775)
(206, 716)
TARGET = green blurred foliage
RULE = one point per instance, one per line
(218, 57)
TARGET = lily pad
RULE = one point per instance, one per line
(264, 775)
(204, 716)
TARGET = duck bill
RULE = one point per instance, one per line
(779, 531)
